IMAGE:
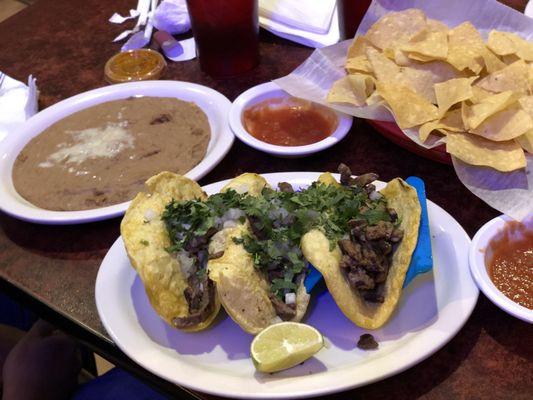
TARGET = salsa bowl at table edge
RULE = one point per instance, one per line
(270, 90)
(479, 269)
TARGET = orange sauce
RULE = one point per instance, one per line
(289, 121)
(134, 65)
(509, 260)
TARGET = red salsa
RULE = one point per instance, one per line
(509, 259)
(289, 121)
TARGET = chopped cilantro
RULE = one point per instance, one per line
(145, 242)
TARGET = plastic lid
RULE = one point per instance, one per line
(134, 65)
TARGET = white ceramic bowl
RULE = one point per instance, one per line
(270, 90)
(478, 268)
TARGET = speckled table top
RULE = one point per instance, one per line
(65, 44)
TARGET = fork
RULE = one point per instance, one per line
(2, 76)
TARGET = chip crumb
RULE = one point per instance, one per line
(367, 342)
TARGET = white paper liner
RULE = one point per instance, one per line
(509, 193)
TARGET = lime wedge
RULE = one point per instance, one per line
(284, 345)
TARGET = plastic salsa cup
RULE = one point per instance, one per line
(134, 65)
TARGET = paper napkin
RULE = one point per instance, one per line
(18, 102)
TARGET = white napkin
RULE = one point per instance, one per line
(307, 38)
(305, 15)
(172, 16)
(18, 102)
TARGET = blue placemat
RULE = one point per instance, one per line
(421, 261)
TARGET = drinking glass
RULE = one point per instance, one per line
(226, 34)
(351, 13)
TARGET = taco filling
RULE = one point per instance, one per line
(278, 219)
(192, 224)
(373, 235)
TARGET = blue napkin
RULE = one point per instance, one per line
(421, 261)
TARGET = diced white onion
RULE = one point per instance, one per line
(149, 214)
(374, 195)
(186, 263)
(229, 224)
(290, 298)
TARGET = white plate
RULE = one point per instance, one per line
(271, 90)
(431, 311)
(213, 103)
(479, 271)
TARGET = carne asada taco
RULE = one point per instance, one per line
(365, 269)
(248, 287)
(176, 282)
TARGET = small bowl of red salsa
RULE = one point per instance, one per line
(501, 262)
(268, 119)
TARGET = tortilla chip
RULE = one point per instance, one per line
(420, 57)
(396, 27)
(465, 48)
(315, 247)
(526, 102)
(436, 26)
(501, 43)
(526, 141)
(145, 243)
(452, 92)
(475, 150)
(477, 113)
(342, 92)
(432, 44)
(507, 43)
(419, 78)
(362, 85)
(356, 60)
(451, 122)
(375, 99)
(409, 108)
(358, 64)
(513, 77)
(505, 125)
(479, 94)
(511, 58)
(384, 69)
(401, 58)
(492, 62)
(358, 47)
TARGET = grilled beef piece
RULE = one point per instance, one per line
(285, 311)
(397, 235)
(200, 295)
(372, 296)
(366, 179)
(346, 175)
(367, 342)
(367, 253)
(285, 187)
(257, 230)
(352, 249)
(382, 230)
(359, 279)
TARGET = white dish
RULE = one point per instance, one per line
(479, 270)
(213, 103)
(431, 311)
(271, 90)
